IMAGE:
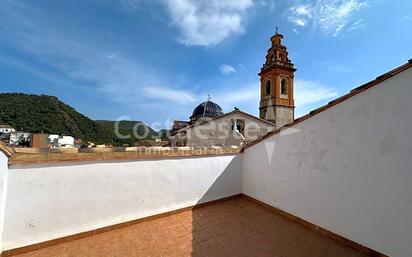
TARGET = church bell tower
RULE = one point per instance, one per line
(276, 85)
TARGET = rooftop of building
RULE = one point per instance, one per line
(236, 110)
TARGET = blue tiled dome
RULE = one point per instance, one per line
(208, 109)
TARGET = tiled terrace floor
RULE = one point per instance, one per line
(233, 228)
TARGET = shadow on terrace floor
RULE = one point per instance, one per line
(236, 227)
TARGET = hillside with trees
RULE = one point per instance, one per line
(47, 114)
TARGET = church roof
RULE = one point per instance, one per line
(208, 109)
(222, 116)
(338, 100)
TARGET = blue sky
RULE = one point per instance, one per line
(156, 60)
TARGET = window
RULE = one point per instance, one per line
(270, 59)
(284, 87)
(267, 87)
(240, 125)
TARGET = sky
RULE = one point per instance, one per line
(156, 60)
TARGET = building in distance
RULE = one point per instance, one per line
(4, 128)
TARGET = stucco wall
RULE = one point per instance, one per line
(284, 115)
(56, 201)
(347, 169)
(3, 191)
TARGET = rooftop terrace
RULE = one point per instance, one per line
(333, 181)
(236, 227)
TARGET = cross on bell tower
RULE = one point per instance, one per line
(276, 79)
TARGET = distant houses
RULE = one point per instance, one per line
(61, 141)
(14, 138)
(18, 138)
(6, 129)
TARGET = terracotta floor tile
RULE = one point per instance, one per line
(55, 251)
(235, 228)
(340, 251)
(308, 250)
(200, 236)
(210, 245)
(77, 248)
(29, 254)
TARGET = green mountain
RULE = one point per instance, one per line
(134, 129)
(47, 114)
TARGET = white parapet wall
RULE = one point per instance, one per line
(3, 192)
(347, 169)
(49, 202)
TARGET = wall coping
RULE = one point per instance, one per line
(7, 150)
(30, 159)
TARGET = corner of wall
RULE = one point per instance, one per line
(3, 194)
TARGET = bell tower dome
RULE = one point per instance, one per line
(276, 84)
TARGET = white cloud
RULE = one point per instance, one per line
(356, 25)
(83, 61)
(309, 92)
(169, 94)
(207, 22)
(300, 14)
(226, 69)
(335, 15)
(331, 16)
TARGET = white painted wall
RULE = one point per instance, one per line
(347, 169)
(3, 191)
(50, 202)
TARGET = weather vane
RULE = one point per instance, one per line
(208, 97)
(276, 29)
